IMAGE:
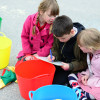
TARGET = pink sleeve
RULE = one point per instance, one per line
(85, 72)
(25, 37)
(46, 49)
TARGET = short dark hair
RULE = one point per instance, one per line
(62, 25)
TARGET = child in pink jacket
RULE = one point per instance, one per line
(36, 34)
(88, 81)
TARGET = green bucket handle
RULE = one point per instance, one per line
(3, 34)
(0, 22)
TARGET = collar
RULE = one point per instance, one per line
(40, 27)
(76, 31)
(96, 52)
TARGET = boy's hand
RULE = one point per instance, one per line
(65, 66)
(49, 58)
(84, 79)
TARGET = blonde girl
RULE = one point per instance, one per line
(36, 34)
(89, 81)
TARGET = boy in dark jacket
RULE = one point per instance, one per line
(65, 48)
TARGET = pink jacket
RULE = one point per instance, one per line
(40, 43)
(93, 83)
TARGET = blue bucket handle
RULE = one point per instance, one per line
(31, 92)
(79, 93)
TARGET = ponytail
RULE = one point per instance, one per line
(50, 31)
(34, 27)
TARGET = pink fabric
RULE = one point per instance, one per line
(40, 43)
(95, 91)
(93, 83)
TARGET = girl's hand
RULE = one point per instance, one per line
(29, 58)
(49, 58)
(84, 79)
(65, 66)
(35, 54)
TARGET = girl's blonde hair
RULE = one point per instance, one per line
(44, 6)
(89, 38)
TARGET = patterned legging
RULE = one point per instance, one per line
(74, 84)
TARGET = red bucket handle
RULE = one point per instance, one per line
(27, 56)
(42, 75)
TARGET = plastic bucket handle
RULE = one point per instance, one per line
(3, 34)
(31, 92)
(79, 93)
(27, 56)
(42, 75)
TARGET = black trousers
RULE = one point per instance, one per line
(61, 76)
